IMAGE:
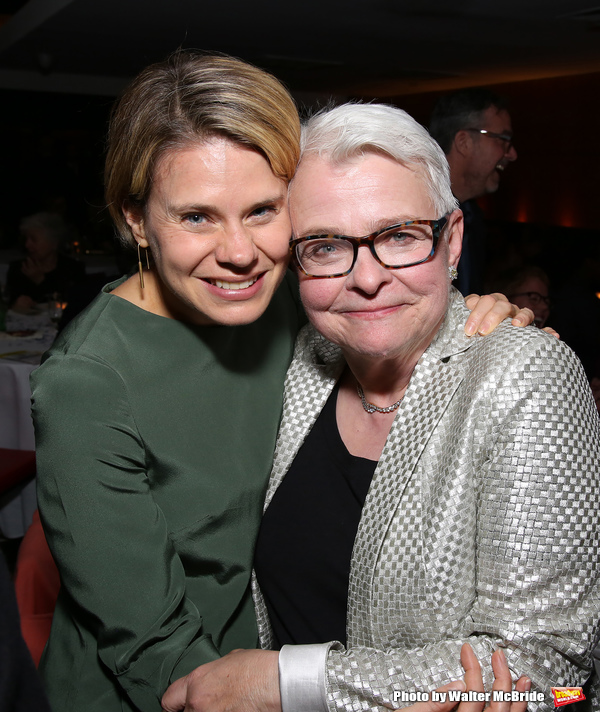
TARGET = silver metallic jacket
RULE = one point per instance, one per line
(482, 522)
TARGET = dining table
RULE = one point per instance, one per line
(22, 344)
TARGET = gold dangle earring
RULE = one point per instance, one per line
(140, 268)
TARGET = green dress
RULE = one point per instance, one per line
(154, 441)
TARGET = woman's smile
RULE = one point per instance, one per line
(235, 290)
(218, 228)
(373, 310)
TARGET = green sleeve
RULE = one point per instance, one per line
(124, 581)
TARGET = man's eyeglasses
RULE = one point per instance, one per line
(395, 247)
(507, 138)
(534, 297)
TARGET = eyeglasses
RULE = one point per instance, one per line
(395, 247)
(534, 297)
(507, 138)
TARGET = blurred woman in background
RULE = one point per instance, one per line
(45, 271)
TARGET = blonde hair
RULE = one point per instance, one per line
(184, 100)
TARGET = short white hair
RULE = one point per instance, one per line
(344, 132)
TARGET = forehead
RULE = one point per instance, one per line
(213, 153)
(214, 168)
(357, 196)
(496, 120)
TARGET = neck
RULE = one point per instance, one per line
(150, 298)
(382, 382)
(461, 189)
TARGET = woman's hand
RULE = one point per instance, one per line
(23, 303)
(247, 681)
(474, 682)
(490, 310)
(241, 681)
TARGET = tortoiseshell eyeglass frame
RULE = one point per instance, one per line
(369, 240)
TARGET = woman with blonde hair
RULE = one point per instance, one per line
(155, 423)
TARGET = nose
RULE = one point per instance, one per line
(511, 154)
(367, 274)
(236, 247)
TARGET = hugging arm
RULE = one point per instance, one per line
(515, 565)
(246, 681)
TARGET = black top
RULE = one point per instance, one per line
(305, 543)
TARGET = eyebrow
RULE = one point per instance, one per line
(209, 209)
(375, 226)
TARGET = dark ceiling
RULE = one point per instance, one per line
(368, 48)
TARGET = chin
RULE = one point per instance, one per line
(372, 348)
(240, 315)
(493, 185)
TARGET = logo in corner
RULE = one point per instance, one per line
(567, 695)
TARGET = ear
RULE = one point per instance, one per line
(463, 142)
(455, 236)
(135, 220)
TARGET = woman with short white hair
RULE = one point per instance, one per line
(428, 490)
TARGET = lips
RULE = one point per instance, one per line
(372, 313)
(222, 284)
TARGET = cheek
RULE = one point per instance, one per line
(278, 249)
(318, 295)
(275, 241)
(177, 257)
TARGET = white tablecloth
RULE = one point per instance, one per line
(16, 427)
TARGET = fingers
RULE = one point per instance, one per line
(503, 682)
(175, 697)
(523, 685)
(523, 317)
(551, 331)
(490, 310)
(473, 680)
(443, 703)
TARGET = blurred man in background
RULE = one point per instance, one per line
(474, 129)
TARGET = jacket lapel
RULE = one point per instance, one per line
(316, 367)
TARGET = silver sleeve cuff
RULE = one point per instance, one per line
(302, 677)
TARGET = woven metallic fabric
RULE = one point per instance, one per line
(482, 523)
